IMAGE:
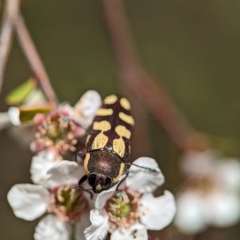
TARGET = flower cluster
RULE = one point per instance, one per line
(210, 194)
(136, 211)
(65, 206)
(69, 213)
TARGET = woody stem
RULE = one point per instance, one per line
(152, 93)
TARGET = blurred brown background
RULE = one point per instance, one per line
(193, 46)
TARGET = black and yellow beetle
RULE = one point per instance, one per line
(108, 145)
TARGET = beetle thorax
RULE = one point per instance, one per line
(103, 168)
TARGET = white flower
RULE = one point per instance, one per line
(56, 131)
(86, 108)
(60, 129)
(11, 117)
(35, 98)
(22, 133)
(136, 210)
(210, 195)
(40, 165)
(65, 205)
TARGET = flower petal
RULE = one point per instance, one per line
(65, 109)
(81, 226)
(157, 213)
(228, 173)
(104, 196)
(190, 217)
(195, 162)
(28, 201)
(41, 163)
(222, 209)
(143, 180)
(99, 228)
(64, 173)
(24, 135)
(85, 109)
(50, 228)
(4, 120)
(137, 231)
(13, 113)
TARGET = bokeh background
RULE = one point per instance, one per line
(193, 46)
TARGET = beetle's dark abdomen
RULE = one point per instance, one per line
(112, 127)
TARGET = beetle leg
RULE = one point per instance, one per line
(83, 179)
(79, 157)
(117, 190)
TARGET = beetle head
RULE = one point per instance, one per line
(99, 182)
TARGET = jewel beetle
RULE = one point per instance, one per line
(108, 145)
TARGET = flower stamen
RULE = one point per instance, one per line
(58, 131)
(122, 210)
(67, 204)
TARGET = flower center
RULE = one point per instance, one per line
(68, 204)
(58, 132)
(122, 210)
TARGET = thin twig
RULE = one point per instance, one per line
(9, 15)
(34, 59)
(124, 49)
(143, 85)
(12, 19)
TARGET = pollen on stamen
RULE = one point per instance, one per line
(74, 141)
(48, 143)
(70, 136)
(58, 131)
(123, 212)
(43, 131)
(67, 204)
(65, 146)
(37, 135)
(72, 148)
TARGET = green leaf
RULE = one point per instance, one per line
(19, 94)
(28, 113)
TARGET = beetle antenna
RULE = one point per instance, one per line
(119, 195)
(144, 167)
(122, 180)
(117, 189)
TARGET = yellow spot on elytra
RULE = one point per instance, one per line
(99, 141)
(125, 103)
(104, 112)
(122, 131)
(110, 99)
(102, 126)
(119, 146)
(87, 139)
(85, 163)
(120, 173)
(98, 187)
(126, 118)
